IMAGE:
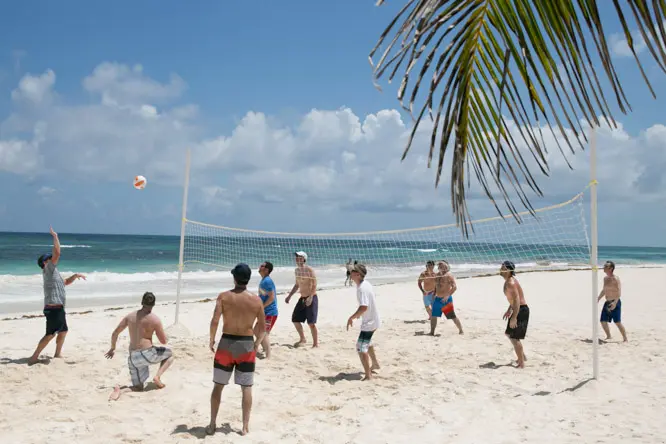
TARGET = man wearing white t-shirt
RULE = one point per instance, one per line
(370, 322)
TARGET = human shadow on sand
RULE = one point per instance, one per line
(420, 321)
(200, 432)
(589, 341)
(492, 366)
(342, 377)
(23, 361)
(423, 333)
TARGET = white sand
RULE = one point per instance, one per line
(430, 390)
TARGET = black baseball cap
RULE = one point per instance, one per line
(242, 273)
(43, 258)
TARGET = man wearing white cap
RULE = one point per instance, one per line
(307, 307)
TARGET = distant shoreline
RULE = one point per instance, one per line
(84, 307)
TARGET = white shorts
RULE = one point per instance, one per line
(139, 362)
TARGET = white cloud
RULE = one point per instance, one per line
(620, 47)
(332, 160)
(35, 89)
(119, 84)
(46, 191)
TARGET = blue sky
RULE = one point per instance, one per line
(277, 103)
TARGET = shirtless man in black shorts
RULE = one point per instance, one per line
(307, 307)
(518, 313)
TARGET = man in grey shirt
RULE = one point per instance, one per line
(54, 300)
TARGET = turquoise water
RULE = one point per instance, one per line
(125, 254)
(123, 267)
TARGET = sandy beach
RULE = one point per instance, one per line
(449, 388)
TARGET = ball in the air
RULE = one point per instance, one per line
(139, 182)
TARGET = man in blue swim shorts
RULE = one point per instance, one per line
(442, 303)
(612, 309)
(426, 284)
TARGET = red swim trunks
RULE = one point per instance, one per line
(270, 322)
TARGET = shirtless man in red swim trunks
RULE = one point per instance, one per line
(237, 350)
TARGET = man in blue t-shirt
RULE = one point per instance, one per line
(267, 295)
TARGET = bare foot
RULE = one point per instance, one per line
(300, 343)
(245, 431)
(210, 429)
(315, 345)
(33, 361)
(57, 356)
(461, 332)
(367, 377)
(520, 364)
(115, 394)
(374, 368)
(158, 383)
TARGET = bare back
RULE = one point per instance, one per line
(306, 280)
(240, 310)
(513, 289)
(141, 328)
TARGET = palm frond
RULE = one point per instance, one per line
(537, 63)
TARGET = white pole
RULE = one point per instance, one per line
(593, 253)
(182, 232)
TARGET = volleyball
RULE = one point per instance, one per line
(139, 182)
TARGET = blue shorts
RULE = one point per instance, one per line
(427, 299)
(614, 315)
(441, 306)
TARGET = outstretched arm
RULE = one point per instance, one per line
(74, 277)
(114, 337)
(55, 253)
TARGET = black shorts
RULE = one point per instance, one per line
(56, 320)
(522, 320)
(303, 313)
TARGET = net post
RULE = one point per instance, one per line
(593, 253)
(182, 233)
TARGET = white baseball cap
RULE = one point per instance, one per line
(302, 254)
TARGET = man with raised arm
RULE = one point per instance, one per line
(54, 300)
(370, 320)
(237, 350)
(267, 295)
(142, 324)
(518, 313)
(612, 309)
(445, 286)
(426, 283)
(307, 307)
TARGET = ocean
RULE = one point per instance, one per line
(122, 267)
